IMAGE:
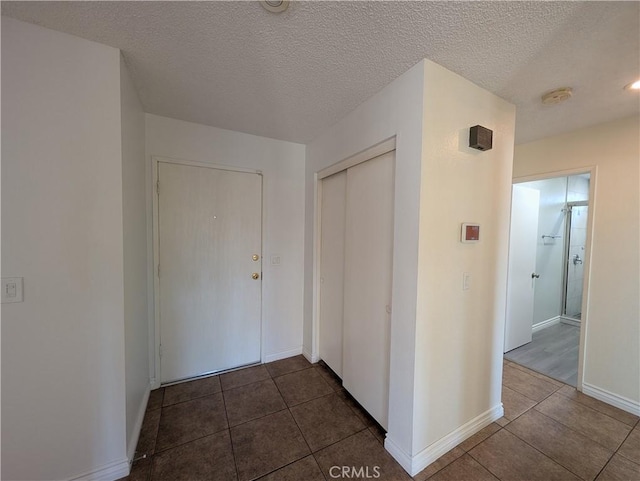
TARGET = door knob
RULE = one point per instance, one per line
(255, 257)
(535, 276)
(255, 275)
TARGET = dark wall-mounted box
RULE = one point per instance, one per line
(480, 138)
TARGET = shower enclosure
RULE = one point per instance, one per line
(576, 214)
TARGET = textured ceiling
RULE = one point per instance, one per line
(290, 76)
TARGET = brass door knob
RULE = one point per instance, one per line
(255, 275)
(255, 257)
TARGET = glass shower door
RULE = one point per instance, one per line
(574, 256)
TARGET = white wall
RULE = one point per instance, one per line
(282, 165)
(612, 349)
(446, 343)
(63, 386)
(134, 216)
(459, 333)
(395, 110)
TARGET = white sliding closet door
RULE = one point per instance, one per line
(334, 189)
(367, 283)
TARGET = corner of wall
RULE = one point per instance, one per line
(460, 331)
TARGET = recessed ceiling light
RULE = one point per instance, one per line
(275, 6)
(557, 95)
(633, 85)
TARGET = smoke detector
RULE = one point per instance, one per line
(557, 96)
(275, 6)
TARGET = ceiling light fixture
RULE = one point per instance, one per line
(556, 96)
(633, 85)
(275, 6)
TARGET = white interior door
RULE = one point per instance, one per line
(333, 211)
(368, 281)
(209, 229)
(523, 241)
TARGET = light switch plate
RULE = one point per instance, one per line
(466, 281)
(11, 289)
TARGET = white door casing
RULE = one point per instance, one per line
(523, 241)
(209, 229)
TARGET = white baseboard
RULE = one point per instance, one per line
(570, 321)
(413, 465)
(135, 435)
(108, 472)
(282, 355)
(398, 454)
(154, 383)
(548, 323)
(312, 359)
(608, 397)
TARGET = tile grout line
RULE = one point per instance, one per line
(288, 372)
(297, 425)
(528, 370)
(449, 463)
(589, 437)
(571, 429)
(531, 446)
(624, 441)
(582, 434)
(598, 411)
(532, 407)
(527, 443)
(233, 452)
(478, 444)
(549, 457)
(616, 452)
(190, 441)
(537, 402)
(192, 399)
(524, 369)
(485, 467)
(333, 392)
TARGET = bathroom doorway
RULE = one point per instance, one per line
(555, 284)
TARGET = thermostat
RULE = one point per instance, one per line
(470, 232)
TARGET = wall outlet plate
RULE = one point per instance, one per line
(11, 289)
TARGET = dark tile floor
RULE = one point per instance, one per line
(292, 421)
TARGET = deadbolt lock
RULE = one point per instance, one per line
(255, 275)
(255, 257)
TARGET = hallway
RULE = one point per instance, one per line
(291, 420)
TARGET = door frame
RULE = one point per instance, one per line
(584, 322)
(375, 150)
(154, 337)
